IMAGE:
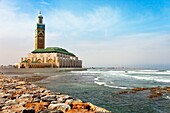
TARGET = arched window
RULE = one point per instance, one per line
(50, 61)
(39, 61)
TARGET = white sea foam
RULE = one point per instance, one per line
(149, 78)
(167, 97)
(149, 72)
(118, 87)
(150, 75)
(104, 84)
(99, 83)
(97, 78)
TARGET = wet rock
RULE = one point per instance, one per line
(80, 105)
(139, 89)
(155, 95)
(123, 92)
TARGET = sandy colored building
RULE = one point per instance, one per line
(50, 57)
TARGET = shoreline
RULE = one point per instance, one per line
(38, 70)
(22, 96)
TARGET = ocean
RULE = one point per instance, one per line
(101, 87)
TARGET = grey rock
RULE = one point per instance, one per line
(26, 96)
(6, 107)
(54, 102)
(61, 100)
(10, 102)
(57, 93)
(47, 91)
(22, 103)
(78, 100)
(37, 100)
(60, 106)
(49, 98)
(6, 95)
(11, 91)
(65, 97)
(69, 101)
(42, 90)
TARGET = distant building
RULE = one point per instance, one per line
(50, 57)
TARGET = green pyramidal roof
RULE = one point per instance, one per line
(53, 50)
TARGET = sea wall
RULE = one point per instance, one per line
(18, 96)
(39, 70)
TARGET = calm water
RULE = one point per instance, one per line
(100, 86)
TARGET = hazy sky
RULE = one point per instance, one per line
(100, 32)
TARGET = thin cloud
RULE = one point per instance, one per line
(43, 2)
(89, 24)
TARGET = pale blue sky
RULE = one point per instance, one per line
(100, 32)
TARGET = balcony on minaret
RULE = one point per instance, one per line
(40, 18)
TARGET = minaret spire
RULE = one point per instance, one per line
(40, 18)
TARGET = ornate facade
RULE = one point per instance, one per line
(51, 57)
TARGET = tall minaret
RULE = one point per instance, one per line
(39, 33)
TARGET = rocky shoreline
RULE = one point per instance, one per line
(18, 96)
(154, 92)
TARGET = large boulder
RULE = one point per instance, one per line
(49, 98)
(60, 106)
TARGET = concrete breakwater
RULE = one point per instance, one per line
(17, 96)
(39, 70)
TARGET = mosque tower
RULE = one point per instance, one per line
(39, 33)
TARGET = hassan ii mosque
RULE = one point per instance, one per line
(50, 57)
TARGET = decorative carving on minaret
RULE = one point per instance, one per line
(40, 33)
